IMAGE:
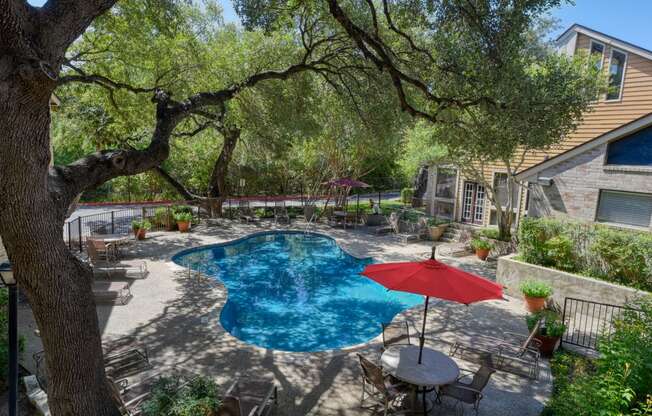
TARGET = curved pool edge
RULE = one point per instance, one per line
(217, 283)
(260, 233)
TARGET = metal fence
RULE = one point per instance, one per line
(76, 231)
(588, 321)
(118, 221)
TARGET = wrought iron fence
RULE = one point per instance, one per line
(587, 321)
(118, 221)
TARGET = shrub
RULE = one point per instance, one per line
(434, 221)
(181, 208)
(141, 225)
(171, 398)
(491, 233)
(162, 216)
(619, 382)
(480, 244)
(406, 195)
(536, 289)
(615, 255)
(183, 217)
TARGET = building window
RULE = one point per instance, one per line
(597, 52)
(445, 183)
(616, 74)
(444, 210)
(626, 208)
(635, 150)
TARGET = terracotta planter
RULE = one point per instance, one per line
(534, 304)
(140, 233)
(548, 344)
(436, 231)
(184, 226)
(482, 253)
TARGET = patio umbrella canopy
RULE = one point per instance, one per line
(433, 279)
(347, 182)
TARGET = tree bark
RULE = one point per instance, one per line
(221, 169)
(57, 285)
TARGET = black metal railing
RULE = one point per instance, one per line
(587, 321)
(77, 230)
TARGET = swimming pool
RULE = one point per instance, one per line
(294, 291)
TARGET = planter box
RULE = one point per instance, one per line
(512, 272)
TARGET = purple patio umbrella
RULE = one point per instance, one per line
(349, 183)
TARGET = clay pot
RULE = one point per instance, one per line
(140, 233)
(184, 226)
(548, 344)
(534, 304)
(482, 253)
(437, 231)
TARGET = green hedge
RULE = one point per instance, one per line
(614, 255)
(619, 382)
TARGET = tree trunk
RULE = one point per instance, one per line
(220, 170)
(56, 284)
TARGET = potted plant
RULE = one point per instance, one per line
(535, 293)
(550, 331)
(481, 247)
(436, 228)
(183, 220)
(140, 228)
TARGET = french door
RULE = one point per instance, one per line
(473, 203)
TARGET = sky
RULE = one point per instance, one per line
(628, 20)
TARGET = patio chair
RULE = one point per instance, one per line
(382, 389)
(396, 333)
(121, 271)
(123, 358)
(100, 252)
(110, 292)
(404, 230)
(246, 397)
(513, 349)
(469, 392)
(281, 212)
(245, 212)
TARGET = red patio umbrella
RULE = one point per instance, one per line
(433, 279)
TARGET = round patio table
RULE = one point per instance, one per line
(115, 239)
(436, 368)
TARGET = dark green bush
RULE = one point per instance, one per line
(491, 233)
(615, 255)
(619, 382)
(171, 398)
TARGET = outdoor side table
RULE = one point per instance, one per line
(436, 368)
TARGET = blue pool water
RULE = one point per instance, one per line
(296, 292)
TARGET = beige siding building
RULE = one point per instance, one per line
(616, 115)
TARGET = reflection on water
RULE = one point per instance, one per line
(296, 292)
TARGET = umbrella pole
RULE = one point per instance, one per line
(423, 329)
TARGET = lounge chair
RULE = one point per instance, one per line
(111, 292)
(249, 398)
(244, 212)
(506, 353)
(396, 333)
(383, 390)
(281, 212)
(121, 271)
(122, 358)
(471, 391)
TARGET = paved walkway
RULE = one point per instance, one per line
(177, 317)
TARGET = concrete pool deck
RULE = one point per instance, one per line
(177, 317)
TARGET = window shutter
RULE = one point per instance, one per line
(625, 208)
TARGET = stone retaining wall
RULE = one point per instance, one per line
(511, 273)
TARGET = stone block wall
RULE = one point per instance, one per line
(511, 273)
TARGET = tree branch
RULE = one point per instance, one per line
(178, 186)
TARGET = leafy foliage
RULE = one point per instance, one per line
(170, 397)
(619, 382)
(406, 195)
(481, 244)
(536, 289)
(616, 255)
